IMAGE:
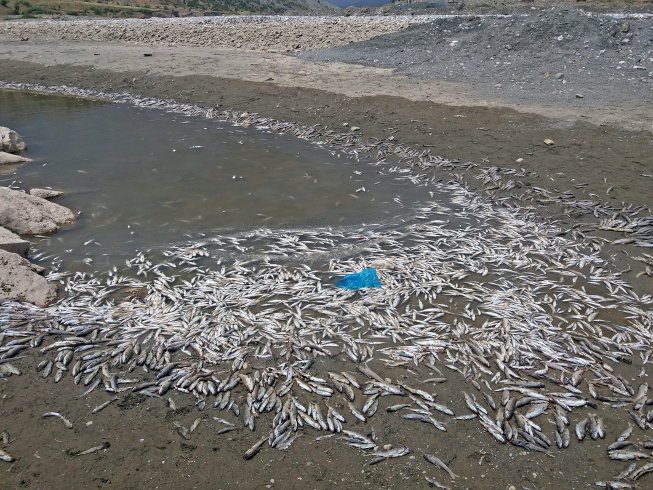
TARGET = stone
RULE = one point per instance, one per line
(549, 142)
(10, 158)
(10, 141)
(20, 281)
(11, 242)
(559, 76)
(44, 193)
(31, 215)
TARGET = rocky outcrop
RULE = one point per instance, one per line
(31, 215)
(20, 281)
(10, 242)
(10, 141)
(45, 193)
(10, 158)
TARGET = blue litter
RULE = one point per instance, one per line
(366, 278)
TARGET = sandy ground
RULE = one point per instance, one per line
(289, 72)
(609, 148)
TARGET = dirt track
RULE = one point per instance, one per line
(601, 148)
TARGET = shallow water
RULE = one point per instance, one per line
(143, 178)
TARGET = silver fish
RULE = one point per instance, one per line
(65, 421)
(439, 463)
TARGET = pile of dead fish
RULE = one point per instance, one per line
(536, 325)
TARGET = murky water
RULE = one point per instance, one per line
(144, 178)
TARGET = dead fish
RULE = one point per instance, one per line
(358, 440)
(356, 413)
(469, 416)
(439, 463)
(536, 410)
(627, 455)
(104, 405)
(563, 438)
(427, 419)
(194, 425)
(371, 406)
(65, 421)
(435, 483)
(581, 428)
(625, 434)
(613, 485)
(6, 457)
(626, 473)
(596, 428)
(171, 404)
(641, 471)
(396, 452)
(396, 408)
(619, 445)
(641, 423)
(252, 451)
(94, 449)
(224, 430)
(46, 369)
(443, 408)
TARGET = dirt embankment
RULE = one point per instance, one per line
(550, 57)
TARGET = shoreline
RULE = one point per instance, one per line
(491, 130)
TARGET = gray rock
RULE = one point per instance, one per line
(45, 193)
(10, 141)
(10, 158)
(560, 76)
(31, 215)
(11, 242)
(20, 281)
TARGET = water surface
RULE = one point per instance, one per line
(143, 178)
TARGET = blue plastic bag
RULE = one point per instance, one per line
(366, 278)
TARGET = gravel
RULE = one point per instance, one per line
(546, 55)
(256, 32)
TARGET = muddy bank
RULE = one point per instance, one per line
(602, 156)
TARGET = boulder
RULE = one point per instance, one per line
(10, 141)
(10, 242)
(45, 193)
(31, 215)
(10, 158)
(20, 281)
